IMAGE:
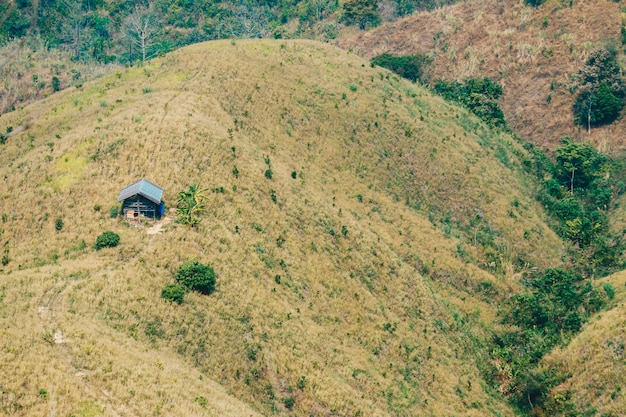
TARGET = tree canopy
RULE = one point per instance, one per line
(601, 89)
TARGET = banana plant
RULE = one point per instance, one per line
(190, 204)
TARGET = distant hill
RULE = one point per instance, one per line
(534, 52)
(364, 232)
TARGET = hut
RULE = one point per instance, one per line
(142, 200)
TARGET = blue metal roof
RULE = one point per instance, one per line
(143, 188)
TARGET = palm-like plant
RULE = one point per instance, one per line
(190, 204)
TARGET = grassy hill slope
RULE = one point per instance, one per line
(534, 53)
(362, 278)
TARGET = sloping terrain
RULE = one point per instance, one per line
(534, 53)
(594, 360)
(360, 276)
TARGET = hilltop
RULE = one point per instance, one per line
(534, 52)
(362, 276)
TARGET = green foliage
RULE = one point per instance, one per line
(58, 224)
(554, 307)
(602, 92)
(558, 303)
(202, 401)
(196, 276)
(609, 290)
(578, 164)
(190, 204)
(599, 106)
(107, 239)
(412, 67)
(534, 3)
(56, 84)
(361, 13)
(173, 292)
(480, 96)
(301, 385)
(289, 402)
(578, 194)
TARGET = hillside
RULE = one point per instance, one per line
(594, 360)
(362, 277)
(534, 53)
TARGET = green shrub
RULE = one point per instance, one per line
(478, 95)
(553, 309)
(56, 84)
(196, 276)
(107, 239)
(412, 67)
(609, 290)
(202, 401)
(174, 293)
(289, 402)
(58, 224)
(601, 90)
(598, 107)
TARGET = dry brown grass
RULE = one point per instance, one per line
(27, 67)
(509, 42)
(377, 305)
(57, 361)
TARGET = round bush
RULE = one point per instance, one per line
(107, 239)
(174, 293)
(598, 108)
(196, 277)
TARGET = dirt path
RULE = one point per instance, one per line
(47, 307)
(158, 226)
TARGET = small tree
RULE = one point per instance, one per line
(107, 239)
(196, 276)
(578, 164)
(190, 205)
(601, 90)
(173, 292)
(140, 27)
(361, 13)
(56, 84)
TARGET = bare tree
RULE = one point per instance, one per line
(245, 21)
(140, 28)
(75, 27)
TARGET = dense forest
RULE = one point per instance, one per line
(133, 30)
